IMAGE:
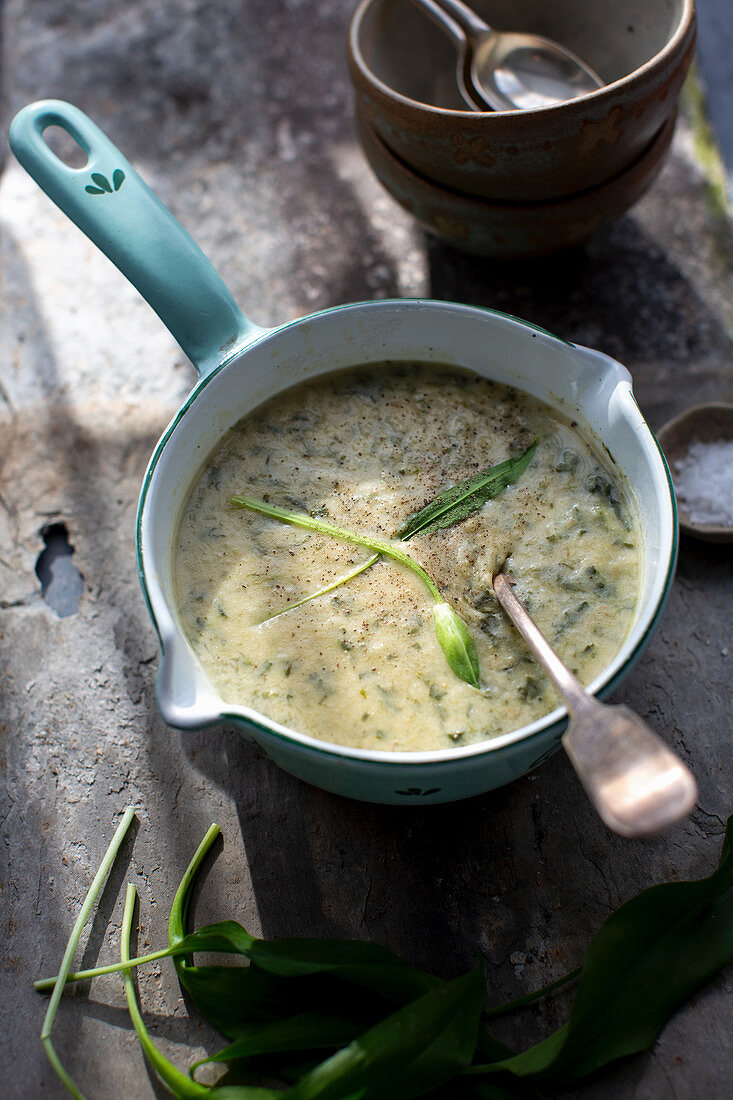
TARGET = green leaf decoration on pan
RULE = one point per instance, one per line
(101, 181)
(101, 186)
(460, 501)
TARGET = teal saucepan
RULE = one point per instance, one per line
(241, 365)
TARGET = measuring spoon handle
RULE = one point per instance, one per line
(455, 17)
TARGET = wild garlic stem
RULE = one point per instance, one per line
(61, 1073)
(324, 591)
(87, 906)
(178, 1082)
(450, 630)
(310, 523)
(44, 984)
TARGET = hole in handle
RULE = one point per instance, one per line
(65, 147)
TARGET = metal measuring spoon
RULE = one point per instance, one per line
(636, 783)
(504, 71)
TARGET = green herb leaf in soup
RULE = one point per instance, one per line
(458, 502)
(451, 631)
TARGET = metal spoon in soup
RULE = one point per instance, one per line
(636, 783)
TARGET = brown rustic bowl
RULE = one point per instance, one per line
(403, 71)
(511, 229)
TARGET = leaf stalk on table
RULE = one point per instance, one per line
(84, 913)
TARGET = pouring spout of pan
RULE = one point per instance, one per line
(115, 208)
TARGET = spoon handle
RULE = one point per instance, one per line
(636, 783)
(455, 17)
(567, 685)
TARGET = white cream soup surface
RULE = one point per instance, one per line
(361, 665)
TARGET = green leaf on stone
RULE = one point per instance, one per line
(649, 957)
(305, 1031)
(411, 1052)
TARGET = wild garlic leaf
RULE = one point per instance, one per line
(231, 998)
(460, 501)
(289, 977)
(360, 962)
(303, 1032)
(649, 957)
(457, 644)
(234, 998)
(226, 937)
(409, 1053)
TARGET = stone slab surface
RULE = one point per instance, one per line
(238, 114)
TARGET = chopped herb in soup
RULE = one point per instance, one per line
(336, 639)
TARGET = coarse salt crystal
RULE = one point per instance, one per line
(704, 482)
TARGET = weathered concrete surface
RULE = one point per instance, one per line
(238, 114)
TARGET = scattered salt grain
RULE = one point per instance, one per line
(704, 482)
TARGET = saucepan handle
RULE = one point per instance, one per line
(119, 213)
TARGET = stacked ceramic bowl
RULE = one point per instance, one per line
(519, 182)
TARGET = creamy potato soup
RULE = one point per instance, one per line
(360, 665)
